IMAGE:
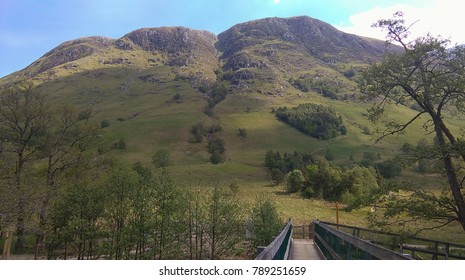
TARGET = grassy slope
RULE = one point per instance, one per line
(154, 120)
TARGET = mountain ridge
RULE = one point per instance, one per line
(183, 45)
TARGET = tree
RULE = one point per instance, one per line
(161, 158)
(216, 148)
(389, 168)
(74, 219)
(295, 181)
(66, 145)
(223, 222)
(120, 189)
(167, 204)
(24, 118)
(431, 76)
(266, 222)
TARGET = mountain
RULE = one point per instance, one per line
(276, 49)
(276, 44)
(153, 85)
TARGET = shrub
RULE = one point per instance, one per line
(242, 133)
(121, 144)
(104, 123)
(389, 168)
(197, 132)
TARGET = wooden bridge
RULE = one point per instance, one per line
(328, 241)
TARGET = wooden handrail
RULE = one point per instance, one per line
(270, 252)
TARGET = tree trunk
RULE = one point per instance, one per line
(20, 207)
(451, 177)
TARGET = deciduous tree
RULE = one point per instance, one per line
(429, 74)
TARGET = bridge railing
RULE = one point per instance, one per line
(279, 247)
(418, 248)
(338, 245)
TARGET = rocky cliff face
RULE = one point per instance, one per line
(306, 34)
(184, 45)
(69, 51)
(276, 50)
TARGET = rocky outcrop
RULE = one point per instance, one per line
(183, 45)
(306, 34)
(70, 51)
(172, 39)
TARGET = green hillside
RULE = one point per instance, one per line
(153, 85)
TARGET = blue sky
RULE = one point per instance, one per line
(30, 28)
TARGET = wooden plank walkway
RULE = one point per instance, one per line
(303, 249)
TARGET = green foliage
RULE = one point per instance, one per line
(277, 176)
(304, 84)
(242, 132)
(389, 168)
(360, 182)
(329, 156)
(223, 222)
(398, 205)
(104, 123)
(36, 135)
(177, 97)
(288, 162)
(120, 188)
(432, 75)
(216, 95)
(336, 184)
(216, 148)
(216, 157)
(265, 221)
(295, 181)
(197, 133)
(161, 158)
(85, 115)
(74, 219)
(121, 145)
(128, 213)
(349, 73)
(316, 120)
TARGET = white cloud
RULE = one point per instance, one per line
(441, 18)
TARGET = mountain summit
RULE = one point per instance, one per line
(275, 44)
(312, 35)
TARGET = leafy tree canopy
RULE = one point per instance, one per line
(316, 120)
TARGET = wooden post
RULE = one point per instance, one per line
(337, 214)
(7, 244)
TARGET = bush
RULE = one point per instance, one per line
(216, 157)
(389, 168)
(104, 123)
(121, 144)
(161, 158)
(197, 132)
(242, 133)
(349, 73)
(216, 144)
